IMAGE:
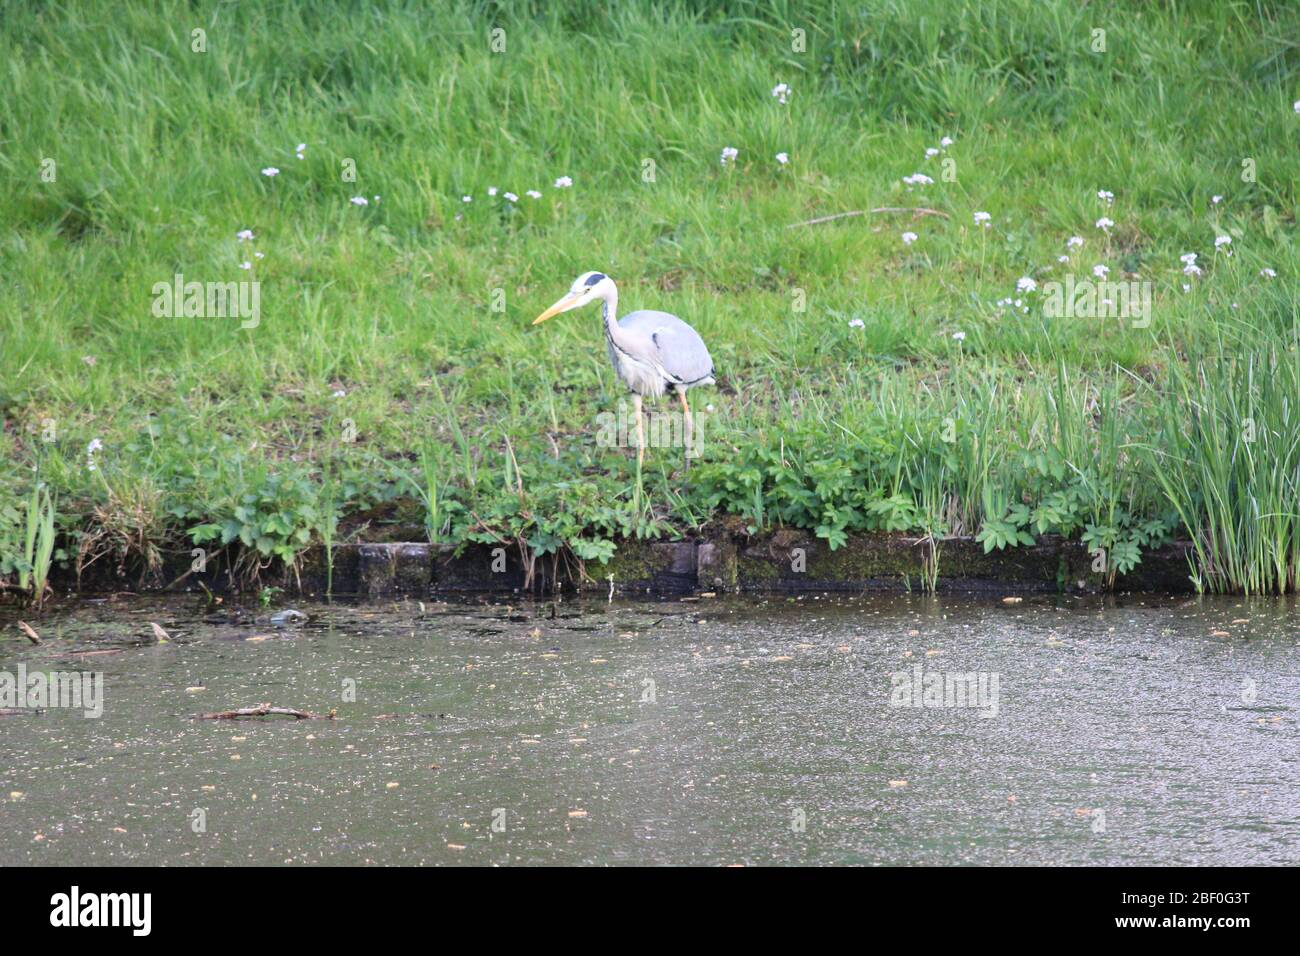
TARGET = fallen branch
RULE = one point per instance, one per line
(917, 212)
(266, 710)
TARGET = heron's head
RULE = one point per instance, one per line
(587, 288)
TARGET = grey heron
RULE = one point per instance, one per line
(652, 352)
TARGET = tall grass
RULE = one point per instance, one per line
(1230, 464)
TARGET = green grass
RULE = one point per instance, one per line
(416, 307)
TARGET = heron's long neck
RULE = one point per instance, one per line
(609, 313)
(609, 309)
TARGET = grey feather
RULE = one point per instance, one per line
(673, 344)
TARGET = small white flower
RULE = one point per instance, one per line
(1101, 271)
(533, 194)
(1268, 273)
(244, 235)
(259, 255)
(1216, 199)
(1105, 223)
(1003, 303)
(492, 190)
(931, 152)
(564, 182)
(1074, 242)
(1187, 258)
(1106, 195)
(376, 199)
(340, 393)
(1296, 106)
(359, 201)
(302, 147)
(271, 172)
(94, 446)
(983, 218)
(1191, 269)
(782, 92)
(729, 154)
(909, 238)
(245, 265)
(959, 336)
(856, 324)
(1062, 258)
(466, 198)
(918, 179)
(783, 158)
(946, 142)
(1018, 303)
(1026, 284)
(1221, 241)
(511, 196)
(1186, 287)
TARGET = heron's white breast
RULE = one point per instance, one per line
(645, 378)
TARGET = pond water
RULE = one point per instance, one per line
(714, 731)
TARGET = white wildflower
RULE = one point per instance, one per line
(270, 172)
(1026, 284)
(564, 182)
(909, 238)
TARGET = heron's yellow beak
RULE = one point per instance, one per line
(564, 305)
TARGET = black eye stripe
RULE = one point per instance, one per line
(593, 278)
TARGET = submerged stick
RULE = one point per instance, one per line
(265, 710)
(29, 632)
(917, 211)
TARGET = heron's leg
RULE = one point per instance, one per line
(688, 432)
(640, 428)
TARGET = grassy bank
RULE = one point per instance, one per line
(867, 380)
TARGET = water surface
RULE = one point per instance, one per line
(716, 731)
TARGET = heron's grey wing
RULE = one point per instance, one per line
(680, 350)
